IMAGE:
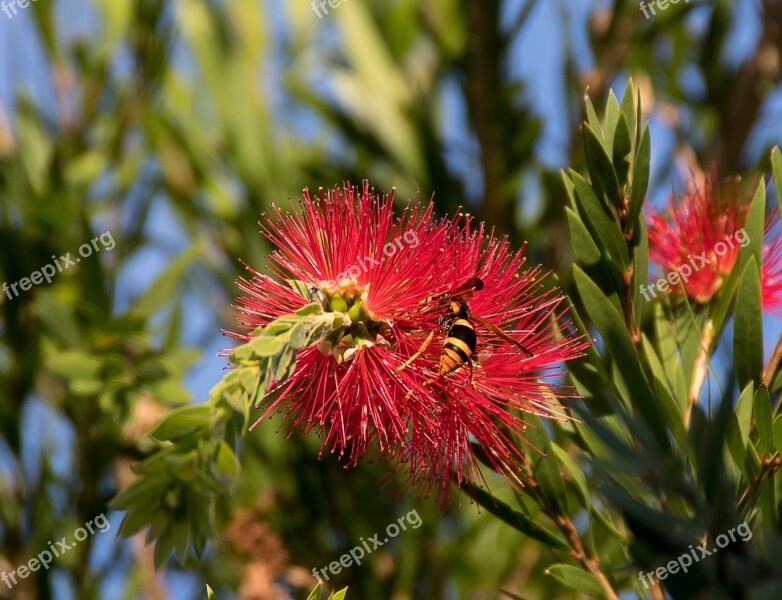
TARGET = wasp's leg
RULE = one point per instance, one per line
(418, 353)
(472, 379)
(424, 384)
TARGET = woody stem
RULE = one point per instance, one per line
(580, 553)
(773, 365)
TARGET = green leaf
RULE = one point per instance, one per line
(576, 579)
(569, 188)
(743, 411)
(640, 179)
(628, 105)
(57, 317)
(575, 471)
(621, 151)
(301, 287)
(641, 306)
(545, 466)
(764, 419)
(778, 433)
(754, 227)
(670, 355)
(768, 504)
(611, 435)
(163, 547)
(589, 372)
(592, 119)
(612, 329)
(138, 492)
(671, 412)
(182, 422)
(86, 387)
(170, 392)
(653, 361)
(315, 594)
(310, 309)
(210, 594)
(517, 520)
(74, 365)
(605, 230)
(579, 478)
(226, 461)
(612, 114)
(748, 327)
(36, 145)
(708, 437)
(736, 448)
(180, 535)
(340, 595)
(85, 168)
(600, 169)
(276, 327)
(723, 305)
(300, 336)
(267, 345)
(587, 252)
(776, 170)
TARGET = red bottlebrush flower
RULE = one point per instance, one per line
(771, 274)
(698, 236)
(377, 389)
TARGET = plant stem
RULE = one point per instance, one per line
(657, 593)
(590, 563)
(578, 551)
(700, 369)
(773, 365)
(770, 466)
(627, 302)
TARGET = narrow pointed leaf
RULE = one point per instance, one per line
(600, 169)
(576, 579)
(517, 520)
(748, 327)
(764, 420)
(640, 179)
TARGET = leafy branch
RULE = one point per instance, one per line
(179, 486)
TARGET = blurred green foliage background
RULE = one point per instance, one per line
(173, 125)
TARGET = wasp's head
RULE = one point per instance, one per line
(475, 283)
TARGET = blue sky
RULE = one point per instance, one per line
(536, 59)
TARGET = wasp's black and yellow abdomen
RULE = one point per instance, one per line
(458, 346)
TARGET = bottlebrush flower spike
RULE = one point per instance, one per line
(771, 274)
(372, 387)
(699, 235)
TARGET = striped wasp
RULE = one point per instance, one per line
(461, 340)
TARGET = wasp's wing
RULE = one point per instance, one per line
(494, 329)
